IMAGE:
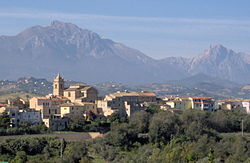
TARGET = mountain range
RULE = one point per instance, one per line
(82, 55)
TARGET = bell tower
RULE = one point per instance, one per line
(58, 86)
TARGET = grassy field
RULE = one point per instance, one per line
(4, 97)
(68, 136)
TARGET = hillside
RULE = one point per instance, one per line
(202, 86)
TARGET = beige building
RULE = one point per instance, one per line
(234, 104)
(75, 109)
(19, 115)
(198, 103)
(81, 93)
(75, 93)
(47, 105)
(124, 102)
(56, 123)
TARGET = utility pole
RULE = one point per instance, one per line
(61, 147)
(242, 127)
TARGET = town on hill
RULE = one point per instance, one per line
(58, 109)
(74, 124)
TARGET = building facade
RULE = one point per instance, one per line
(58, 86)
(124, 102)
(74, 109)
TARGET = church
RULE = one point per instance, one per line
(76, 93)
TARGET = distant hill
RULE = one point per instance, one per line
(82, 55)
(202, 86)
(202, 79)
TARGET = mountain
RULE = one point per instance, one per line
(78, 54)
(218, 61)
(82, 55)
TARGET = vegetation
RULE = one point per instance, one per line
(23, 128)
(147, 136)
(98, 124)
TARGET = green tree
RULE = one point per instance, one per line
(21, 157)
(4, 120)
(163, 126)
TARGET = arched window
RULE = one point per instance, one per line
(55, 86)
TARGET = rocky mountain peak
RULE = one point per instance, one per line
(218, 50)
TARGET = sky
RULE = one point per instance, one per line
(158, 28)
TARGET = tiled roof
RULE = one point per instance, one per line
(202, 98)
(121, 94)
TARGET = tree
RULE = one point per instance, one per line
(163, 126)
(140, 121)
(4, 120)
(21, 157)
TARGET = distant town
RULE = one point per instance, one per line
(56, 109)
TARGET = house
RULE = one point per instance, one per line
(203, 103)
(124, 102)
(242, 105)
(48, 106)
(75, 109)
(17, 116)
(198, 103)
(56, 123)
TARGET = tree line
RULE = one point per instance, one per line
(147, 136)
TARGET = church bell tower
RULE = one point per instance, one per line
(58, 86)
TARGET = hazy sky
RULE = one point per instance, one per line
(159, 28)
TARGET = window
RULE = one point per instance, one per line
(55, 86)
(69, 94)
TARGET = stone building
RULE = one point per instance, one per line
(198, 103)
(81, 93)
(75, 109)
(48, 106)
(58, 86)
(125, 102)
(19, 115)
(75, 93)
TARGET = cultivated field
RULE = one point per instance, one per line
(68, 136)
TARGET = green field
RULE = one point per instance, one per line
(4, 97)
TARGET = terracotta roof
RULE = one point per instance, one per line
(202, 98)
(58, 99)
(2, 105)
(120, 94)
(44, 98)
(70, 104)
(235, 100)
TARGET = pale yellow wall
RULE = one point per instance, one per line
(64, 110)
(39, 103)
(170, 103)
(2, 109)
(77, 110)
(180, 104)
(71, 95)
